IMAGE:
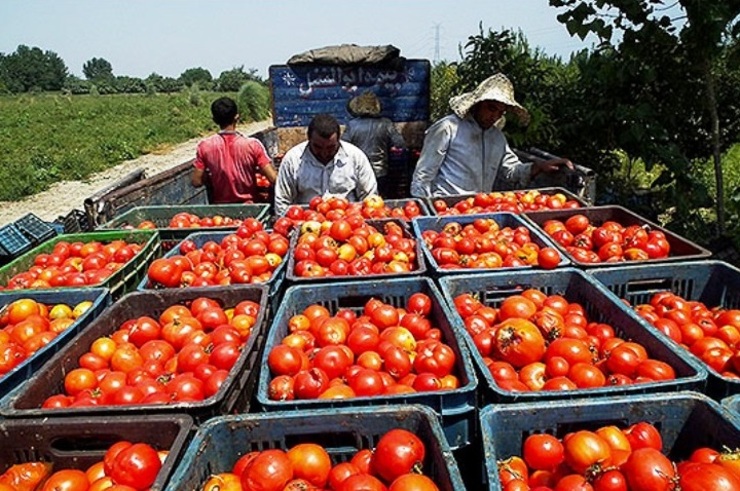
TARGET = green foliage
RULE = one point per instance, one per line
(197, 76)
(232, 80)
(46, 138)
(444, 79)
(253, 101)
(32, 69)
(97, 70)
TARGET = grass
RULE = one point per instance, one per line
(50, 137)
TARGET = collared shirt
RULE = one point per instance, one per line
(231, 161)
(301, 176)
(459, 157)
(374, 136)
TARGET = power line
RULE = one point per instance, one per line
(436, 43)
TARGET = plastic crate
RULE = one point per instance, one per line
(275, 283)
(100, 298)
(450, 201)
(714, 283)
(420, 269)
(493, 288)
(78, 443)
(220, 442)
(686, 421)
(121, 281)
(455, 408)
(37, 230)
(395, 203)
(681, 249)
(75, 222)
(170, 236)
(437, 223)
(12, 242)
(234, 395)
(732, 404)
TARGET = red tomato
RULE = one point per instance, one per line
(543, 451)
(398, 452)
(585, 448)
(310, 462)
(644, 435)
(136, 466)
(270, 470)
(647, 469)
(705, 476)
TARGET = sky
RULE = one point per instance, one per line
(141, 37)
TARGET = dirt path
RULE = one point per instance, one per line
(65, 196)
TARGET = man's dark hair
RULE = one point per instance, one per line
(224, 111)
(325, 125)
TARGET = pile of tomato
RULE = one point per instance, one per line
(483, 243)
(507, 201)
(352, 246)
(75, 264)
(385, 350)
(534, 341)
(609, 241)
(249, 255)
(190, 220)
(613, 459)
(184, 355)
(26, 326)
(711, 334)
(395, 464)
(334, 207)
(126, 466)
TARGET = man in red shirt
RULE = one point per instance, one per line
(228, 161)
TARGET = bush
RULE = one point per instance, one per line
(253, 100)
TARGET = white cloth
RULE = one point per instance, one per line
(301, 176)
(459, 157)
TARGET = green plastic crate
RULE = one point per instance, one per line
(161, 216)
(120, 282)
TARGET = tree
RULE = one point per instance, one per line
(32, 69)
(444, 79)
(98, 69)
(668, 74)
(199, 76)
(232, 80)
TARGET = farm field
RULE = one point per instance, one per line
(51, 137)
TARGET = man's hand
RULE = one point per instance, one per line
(552, 165)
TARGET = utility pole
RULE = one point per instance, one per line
(436, 44)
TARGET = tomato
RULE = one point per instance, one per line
(647, 469)
(26, 476)
(309, 384)
(543, 451)
(705, 476)
(397, 452)
(548, 258)
(165, 272)
(517, 306)
(67, 480)
(435, 357)
(224, 481)
(135, 465)
(362, 482)
(584, 449)
(519, 342)
(270, 470)
(644, 435)
(333, 360)
(413, 482)
(285, 360)
(310, 462)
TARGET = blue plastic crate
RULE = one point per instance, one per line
(100, 298)
(78, 443)
(275, 283)
(681, 249)
(451, 201)
(437, 223)
(456, 408)
(235, 394)
(13, 242)
(686, 421)
(396, 203)
(714, 283)
(419, 270)
(37, 230)
(732, 404)
(493, 288)
(220, 442)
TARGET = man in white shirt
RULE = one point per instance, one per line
(466, 153)
(323, 165)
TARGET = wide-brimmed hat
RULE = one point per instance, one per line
(494, 88)
(366, 104)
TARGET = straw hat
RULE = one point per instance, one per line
(366, 104)
(494, 88)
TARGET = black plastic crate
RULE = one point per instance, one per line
(78, 443)
(420, 264)
(681, 249)
(455, 408)
(76, 221)
(234, 395)
(37, 230)
(100, 298)
(437, 223)
(451, 201)
(220, 442)
(12, 241)
(686, 421)
(714, 283)
(600, 306)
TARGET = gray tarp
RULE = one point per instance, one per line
(349, 54)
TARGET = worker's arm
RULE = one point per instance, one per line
(433, 153)
(197, 177)
(270, 173)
